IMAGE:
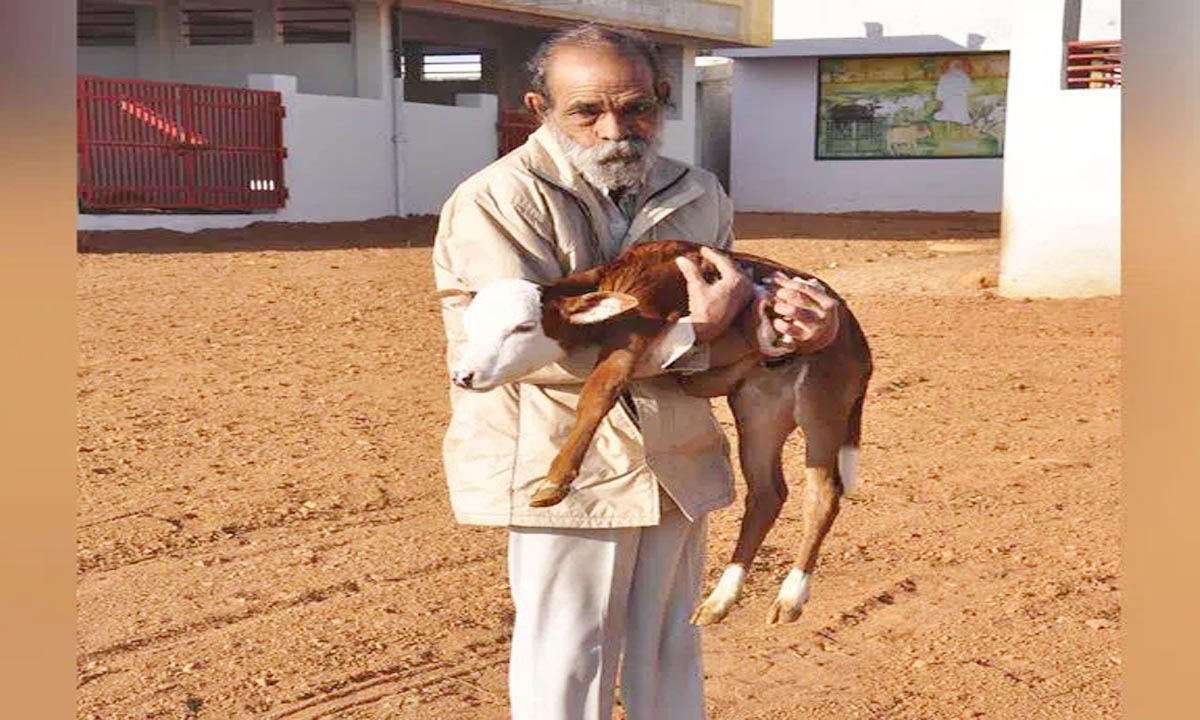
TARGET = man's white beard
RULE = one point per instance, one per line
(610, 164)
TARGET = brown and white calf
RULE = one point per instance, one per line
(514, 327)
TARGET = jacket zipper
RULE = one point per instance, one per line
(661, 190)
(591, 222)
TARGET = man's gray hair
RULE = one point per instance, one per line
(630, 43)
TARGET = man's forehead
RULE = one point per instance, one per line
(599, 70)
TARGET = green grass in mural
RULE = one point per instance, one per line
(884, 118)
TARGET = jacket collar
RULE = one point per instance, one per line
(668, 187)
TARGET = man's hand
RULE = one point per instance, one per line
(713, 306)
(808, 316)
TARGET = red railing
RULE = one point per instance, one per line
(514, 127)
(146, 145)
(1094, 64)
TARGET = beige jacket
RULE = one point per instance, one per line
(531, 215)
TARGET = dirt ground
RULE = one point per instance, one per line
(263, 529)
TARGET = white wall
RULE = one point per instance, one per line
(107, 61)
(320, 69)
(773, 165)
(714, 110)
(1061, 225)
(1100, 20)
(339, 165)
(679, 134)
(444, 145)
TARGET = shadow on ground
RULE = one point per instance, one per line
(418, 231)
(868, 226)
(386, 232)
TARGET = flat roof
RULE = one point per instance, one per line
(826, 47)
(705, 23)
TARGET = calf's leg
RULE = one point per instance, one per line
(763, 409)
(600, 393)
(831, 439)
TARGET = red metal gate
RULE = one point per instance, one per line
(146, 145)
(515, 127)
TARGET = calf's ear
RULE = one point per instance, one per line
(454, 299)
(596, 307)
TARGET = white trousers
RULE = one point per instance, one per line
(590, 600)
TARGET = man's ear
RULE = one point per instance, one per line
(454, 299)
(595, 307)
(536, 103)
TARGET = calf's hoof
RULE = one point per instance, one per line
(714, 609)
(547, 495)
(781, 613)
(710, 613)
(792, 595)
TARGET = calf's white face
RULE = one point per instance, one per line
(505, 339)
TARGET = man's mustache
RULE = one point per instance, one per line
(627, 150)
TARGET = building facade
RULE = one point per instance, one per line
(778, 163)
(938, 105)
(386, 105)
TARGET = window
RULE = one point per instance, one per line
(314, 21)
(458, 66)
(101, 25)
(218, 25)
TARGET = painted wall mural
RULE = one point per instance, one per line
(912, 106)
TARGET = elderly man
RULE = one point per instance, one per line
(608, 577)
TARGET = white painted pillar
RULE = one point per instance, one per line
(373, 76)
(372, 48)
(1061, 219)
(264, 27)
(157, 33)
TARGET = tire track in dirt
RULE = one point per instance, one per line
(217, 622)
(310, 596)
(430, 673)
(173, 545)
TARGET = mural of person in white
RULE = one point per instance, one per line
(953, 88)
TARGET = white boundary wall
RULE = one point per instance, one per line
(773, 165)
(444, 145)
(339, 166)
